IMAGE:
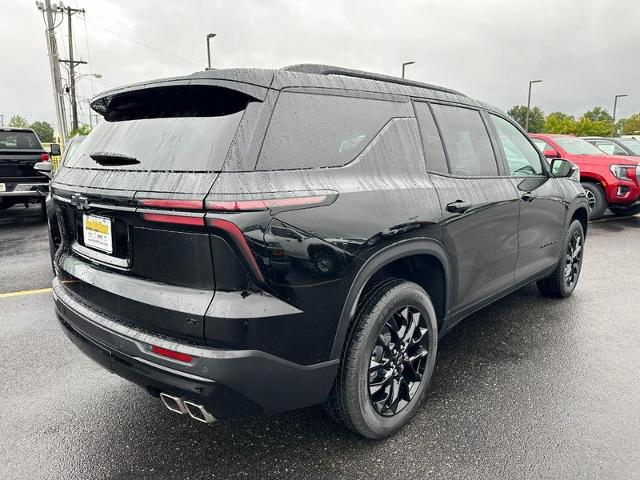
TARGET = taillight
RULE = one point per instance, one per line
(233, 231)
(185, 214)
(173, 204)
(44, 157)
(175, 219)
(181, 357)
(268, 203)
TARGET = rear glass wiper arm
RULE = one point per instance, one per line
(108, 158)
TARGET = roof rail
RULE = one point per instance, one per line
(319, 69)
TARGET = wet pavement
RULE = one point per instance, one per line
(526, 388)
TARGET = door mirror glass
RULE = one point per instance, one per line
(561, 168)
(54, 150)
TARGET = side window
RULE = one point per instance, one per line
(541, 144)
(312, 131)
(610, 148)
(431, 142)
(466, 140)
(522, 158)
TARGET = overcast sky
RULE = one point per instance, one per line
(586, 51)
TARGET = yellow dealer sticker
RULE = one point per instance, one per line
(97, 233)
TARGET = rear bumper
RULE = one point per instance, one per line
(26, 189)
(229, 383)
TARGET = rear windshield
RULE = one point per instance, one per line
(311, 130)
(185, 129)
(19, 141)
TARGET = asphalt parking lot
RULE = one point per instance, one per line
(527, 388)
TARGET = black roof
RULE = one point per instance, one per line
(16, 129)
(255, 82)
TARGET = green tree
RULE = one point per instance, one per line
(44, 131)
(629, 125)
(558, 122)
(18, 122)
(587, 127)
(598, 114)
(536, 117)
(83, 129)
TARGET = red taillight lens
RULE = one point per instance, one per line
(44, 157)
(175, 219)
(264, 204)
(181, 357)
(238, 238)
(177, 204)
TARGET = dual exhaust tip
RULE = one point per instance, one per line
(187, 407)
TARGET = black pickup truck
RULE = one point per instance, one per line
(20, 150)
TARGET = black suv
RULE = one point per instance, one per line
(253, 241)
(20, 182)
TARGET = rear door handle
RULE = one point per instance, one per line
(528, 197)
(458, 206)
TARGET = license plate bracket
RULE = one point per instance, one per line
(97, 233)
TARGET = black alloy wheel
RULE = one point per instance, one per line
(387, 361)
(398, 361)
(573, 259)
(563, 280)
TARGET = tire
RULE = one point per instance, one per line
(596, 198)
(625, 211)
(559, 284)
(362, 399)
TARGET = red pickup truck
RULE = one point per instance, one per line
(610, 181)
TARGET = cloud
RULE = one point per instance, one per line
(584, 50)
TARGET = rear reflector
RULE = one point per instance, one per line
(182, 357)
(165, 203)
(44, 157)
(175, 219)
(264, 204)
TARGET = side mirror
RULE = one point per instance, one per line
(54, 150)
(551, 154)
(561, 168)
(44, 168)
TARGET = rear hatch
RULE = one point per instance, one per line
(130, 206)
(20, 150)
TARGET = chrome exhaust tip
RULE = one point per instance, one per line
(198, 412)
(175, 404)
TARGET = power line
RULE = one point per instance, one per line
(157, 50)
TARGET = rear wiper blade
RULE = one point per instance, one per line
(108, 158)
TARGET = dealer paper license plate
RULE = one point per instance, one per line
(97, 233)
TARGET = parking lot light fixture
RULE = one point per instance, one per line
(209, 37)
(404, 65)
(526, 123)
(613, 118)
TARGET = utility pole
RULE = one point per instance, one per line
(72, 65)
(52, 50)
(526, 123)
(1, 120)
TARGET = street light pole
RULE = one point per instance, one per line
(615, 106)
(526, 123)
(209, 37)
(404, 65)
